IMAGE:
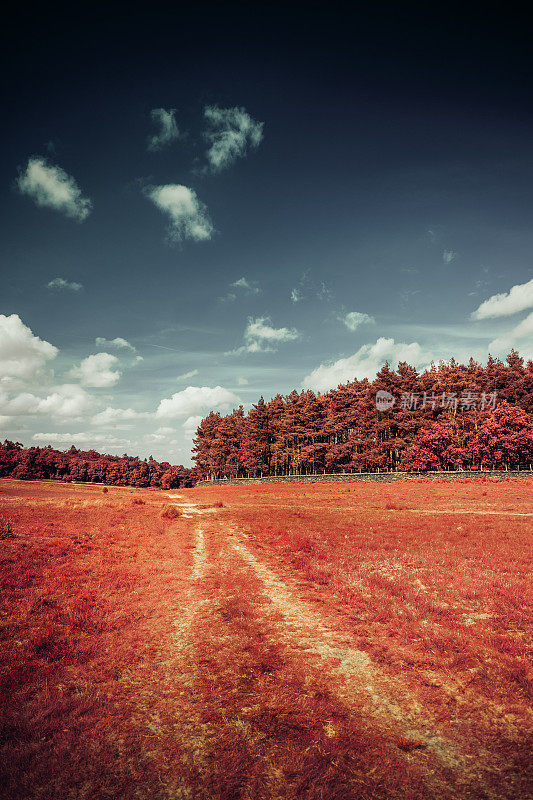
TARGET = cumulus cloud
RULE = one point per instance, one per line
(186, 375)
(118, 342)
(518, 298)
(520, 336)
(195, 399)
(112, 416)
(231, 131)
(261, 337)
(354, 319)
(65, 401)
(60, 284)
(188, 215)
(22, 354)
(448, 256)
(364, 363)
(168, 130)
(52, 187)
(190, 426)
(96, 371)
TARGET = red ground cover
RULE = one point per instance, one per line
(275, 641)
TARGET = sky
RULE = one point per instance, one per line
(221, 201)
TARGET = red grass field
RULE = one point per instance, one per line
(353, 640)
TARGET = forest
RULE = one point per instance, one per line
(76, 465)
(450, 416)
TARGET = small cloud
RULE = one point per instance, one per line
(188, 215)
(260, 336)
(518, 298)
(448, 256)
(242, 382)
(165, 431)
(112, 416)
(296, 295)
(410, 270)
(60, 284)
(168, 130)
(118, 342)
(354, 319)
(52, 187)
(89, 440)
(96, 371)
(230, 132)
(187, 375)
(242, 286)
(406, 295)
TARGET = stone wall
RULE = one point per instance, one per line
(377, 477)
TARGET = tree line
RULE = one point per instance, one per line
(450, 416)
(29, 463)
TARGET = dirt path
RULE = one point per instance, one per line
(381, 705)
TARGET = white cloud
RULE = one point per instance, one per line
(195, 399)
(96, 371)
(112, 416)
(242, 285)
(187, 375)
(296, 295)
(188, 215)
(60, 284)
(365, 363)
(65, 401)
(118, 342)
(52, 187)
(22, 355)
(165, 431)
(517, 299)
(260, 336)
(354, 319)
(242, 382)
(168, 129)
(448, 256)
(520, 336)
(86, 439)
(231, 131)
(190, 425)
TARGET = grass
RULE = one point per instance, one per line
(146, 656)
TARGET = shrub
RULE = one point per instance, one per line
(170, 512)
(138, 501)
(6, 529)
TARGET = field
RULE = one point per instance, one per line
(310, 641)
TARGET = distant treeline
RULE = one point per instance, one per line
(27, 463)
(451, 416)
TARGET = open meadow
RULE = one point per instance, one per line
(314, 641)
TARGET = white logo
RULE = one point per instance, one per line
(384, 400)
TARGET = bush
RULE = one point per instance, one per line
(6, 529)
(170, 512)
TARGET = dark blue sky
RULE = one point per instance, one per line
(387, 195)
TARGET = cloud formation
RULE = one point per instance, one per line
(521, 334)
(186, 375)
(96, 371)
(118, 342)
(242, 286)
(354, 319)
(448, 256)
(52, 187)
(196, 399)
(60, 284)
(518, 298)
(261, 337)
(65, 401)
(188, 215)
(22, 354)
(112, 416)
(364, 363)
(168, 130)
(231, 131)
